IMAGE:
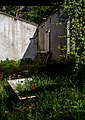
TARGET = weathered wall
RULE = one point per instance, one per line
(55, 32)
(15, 37)
(58, 36)
(32, 48)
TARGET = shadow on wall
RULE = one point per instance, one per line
(32, 47)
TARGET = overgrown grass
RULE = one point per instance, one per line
(13, 67)
(64, 102)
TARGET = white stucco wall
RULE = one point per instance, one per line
(15, 37)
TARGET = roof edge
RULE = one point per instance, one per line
(52, 13)
(17, 18)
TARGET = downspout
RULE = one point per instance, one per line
(68, 36)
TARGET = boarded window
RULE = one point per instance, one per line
(47, 40)
(41, 39)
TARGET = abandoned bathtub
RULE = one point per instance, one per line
(24, 88)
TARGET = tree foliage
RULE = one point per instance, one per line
(75, 11)
(76, 14)
(31, 13)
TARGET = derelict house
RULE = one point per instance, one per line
(20, 39)
(52, 36)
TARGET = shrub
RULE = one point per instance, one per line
(64, 102)
(9, 67)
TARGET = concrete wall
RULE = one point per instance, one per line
(15, 37)
(58, 36)
(41, 37)
(31, 50)
(55, 32)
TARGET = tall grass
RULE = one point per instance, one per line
(64, 102)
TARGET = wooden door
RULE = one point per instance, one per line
(41, 39)
(47, 40)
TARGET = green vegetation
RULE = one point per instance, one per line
(58, 97)
(31, 13)
(76, 14)
(65, 101)
(12, 68)
(9, 67)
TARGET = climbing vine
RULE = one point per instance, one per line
(76, 14)
(75, 11)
